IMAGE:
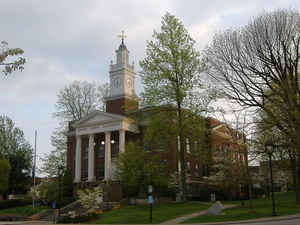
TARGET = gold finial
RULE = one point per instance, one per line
(122, 36)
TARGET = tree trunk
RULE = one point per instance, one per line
(181, 153)
(294, 178)
(297, 186)
(250, 190)
(251, 198)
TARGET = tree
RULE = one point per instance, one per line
(263, 55)
(240, 124)
(170, 74)
(4, 171)
(78, 99)
(136, 169)
(18, 151)
(75, 101)
(56, 157)
(51, 190)
(10, 53)
(229, 174)
(265, 130)
(88, 198)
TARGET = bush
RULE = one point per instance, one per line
(6, 204)
(204, 194)
(258, 192)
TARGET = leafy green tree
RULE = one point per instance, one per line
(75, 101)
(18, 151)
(137, 169)
(8, 58)
(47, 190)
(59, 191)
(88, 198)
(4, 171)
(67, 185)
(229, 174)
(170, 74)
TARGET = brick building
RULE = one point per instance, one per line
(95, 141)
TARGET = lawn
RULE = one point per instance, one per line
(285, 205)
(22, 210)
(140, 214)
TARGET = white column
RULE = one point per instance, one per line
(121, 140)
(107, 159)
(91, 159)
(78, 160)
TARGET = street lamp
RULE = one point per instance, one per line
(60, 173)
(269, 149)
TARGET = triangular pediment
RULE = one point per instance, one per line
(98, 117)
(222, 130)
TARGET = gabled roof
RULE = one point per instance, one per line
(98, 117)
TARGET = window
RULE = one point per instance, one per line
(187, 145)
(100, 151)
(100, 172)
(86, 152)
(114, 144)
(195, 146)
(205, 170)
(188, 169)
(160, 146)
(196, 170)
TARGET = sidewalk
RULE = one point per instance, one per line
(186, 217)
(266, 219)
(36, 222)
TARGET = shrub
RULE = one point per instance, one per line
(6, 204)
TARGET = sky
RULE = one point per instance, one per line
(67, 40)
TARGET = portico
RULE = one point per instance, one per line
(97, 132)
(95, 141)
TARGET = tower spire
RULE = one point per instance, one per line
(122, 36)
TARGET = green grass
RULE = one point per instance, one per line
(22, 211)
(285, 205)
(140, 214)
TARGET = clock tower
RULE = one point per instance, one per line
(122, 97)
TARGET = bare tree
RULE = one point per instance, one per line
(240, 127)
(79, 99)
(75, 101)
(263, 55)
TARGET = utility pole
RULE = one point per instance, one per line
(33, 171)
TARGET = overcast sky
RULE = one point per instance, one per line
(66, 40)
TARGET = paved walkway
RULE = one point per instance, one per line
(182, 219)
(260, 220)
(189, 216)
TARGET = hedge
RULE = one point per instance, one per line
(6, 204)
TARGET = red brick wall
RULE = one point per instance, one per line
(121, 106)
(71, 145)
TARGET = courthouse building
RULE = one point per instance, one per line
(95, 141)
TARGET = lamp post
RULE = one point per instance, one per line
(269, 148)
(150, 200)
(60, 173)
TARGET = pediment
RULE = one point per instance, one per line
(98, 117)
(223, 130)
